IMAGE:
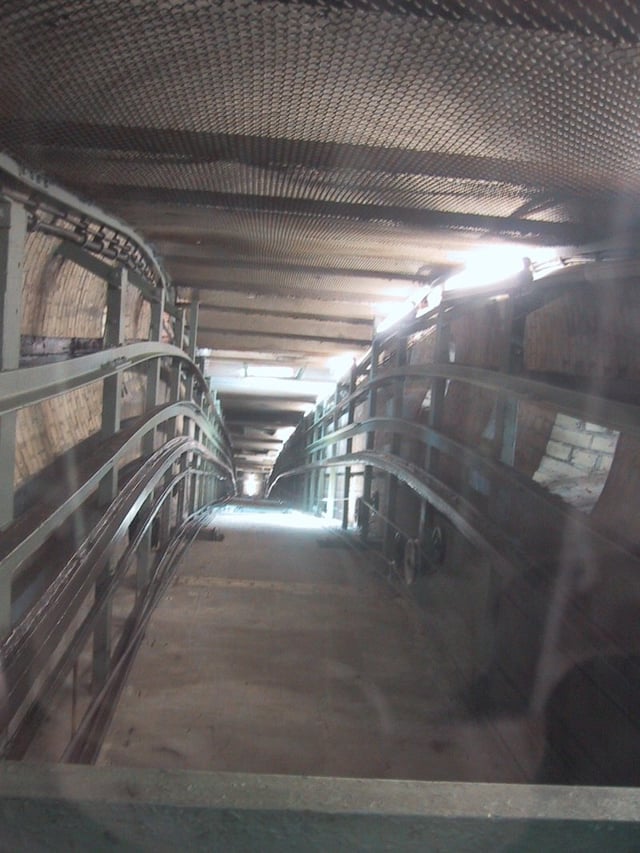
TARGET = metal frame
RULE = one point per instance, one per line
(27, 185)
(39, 650)
(154, 809)
(486, 520)
(12, 236)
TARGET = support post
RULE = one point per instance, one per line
(347, 470)
(191, 348)
(189, 427)
(108, 488)
(314, 474)
(172, 428)
(507, 407)
(438, 386)
(153, 371)
(506, 411)
(176, 372)
(333, 471)
(13, 230)
(370, 444)
(438, 389)
(149, 441)
(400, 360)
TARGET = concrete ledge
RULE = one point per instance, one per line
(64, 807)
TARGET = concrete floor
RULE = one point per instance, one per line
(284, 650)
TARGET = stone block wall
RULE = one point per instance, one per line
(577, 461)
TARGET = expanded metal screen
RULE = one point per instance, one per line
(478, 107)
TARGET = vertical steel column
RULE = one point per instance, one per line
(108, 489)
(149, 441)
(308, 480)
(189, 426)
(506, 411)
(333, 471)
(436, 409)
(13, 230)
(316, 433)
(400, 360)
(320, 455)
(438, 386)
(191, 348)
(347, 470)
(506, 407)
(176, 372)
(175, 384)
(153, 370)
(370, 445)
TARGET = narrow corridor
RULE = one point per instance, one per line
(283, 649)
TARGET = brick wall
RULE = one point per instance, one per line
(61, 299)
(592, 334)
(577, 461)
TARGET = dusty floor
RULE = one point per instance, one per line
(282, 650)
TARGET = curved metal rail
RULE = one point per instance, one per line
(71, 598)
(86, 742)
(29, 385)
(476, 492)
(27, 185)
(27, 650)
(488, 538)
(29, 532)
(611, 413)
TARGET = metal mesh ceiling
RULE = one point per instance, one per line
(549, 93)
(364, 135)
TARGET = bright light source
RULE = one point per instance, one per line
(494, 264)
(284, 433)
(289, 519)
(250, 485)
(398, 313)
(434, 298)
(428, 297)
(270, 371)
(339, 364)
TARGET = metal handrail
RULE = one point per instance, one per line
(22, 735)
(44, 626)
(85, 743)
(471, 523)
(26, 535)
(602, 410)
(439, 441)
(29, 385)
